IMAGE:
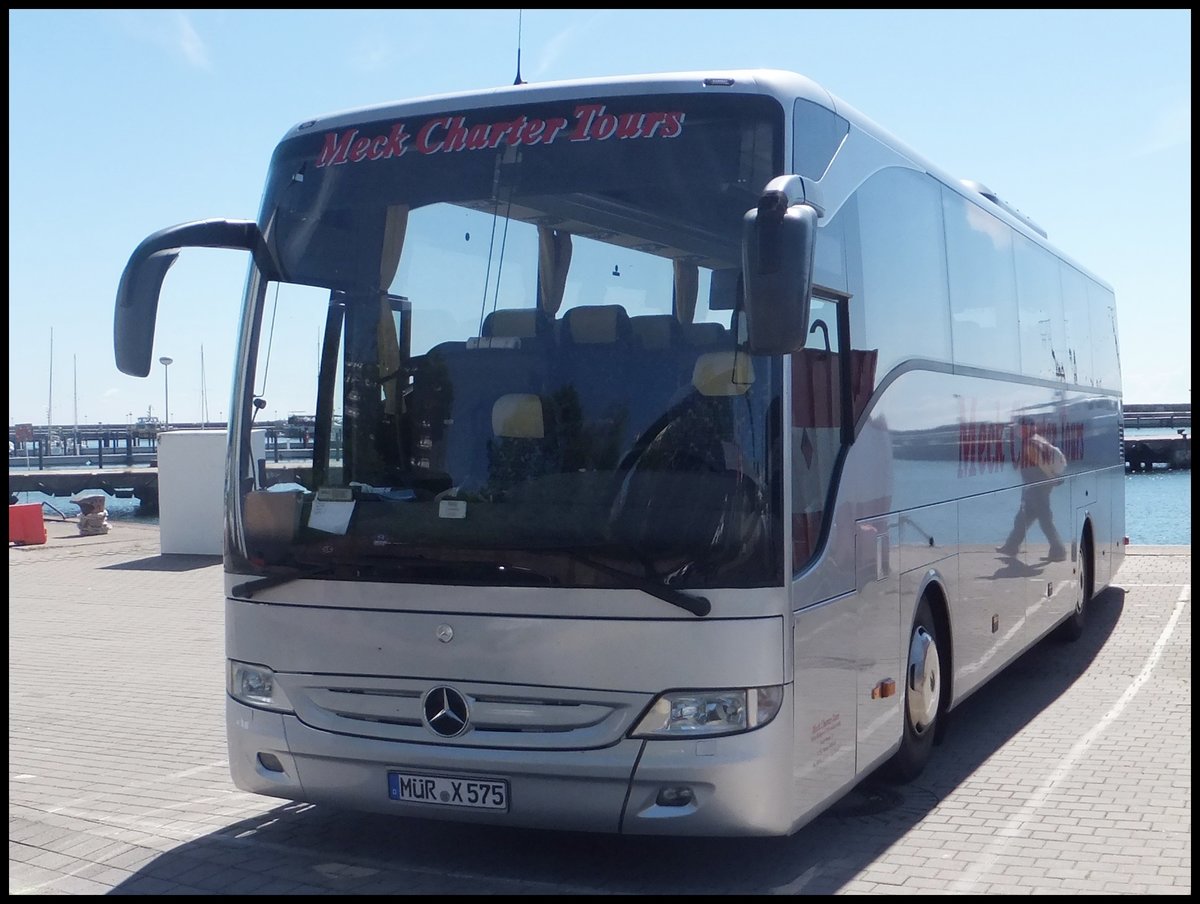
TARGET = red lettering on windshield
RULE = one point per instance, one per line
(350, 148)
(451, 134)
(335, 149)
(553, 127)
(594, 123)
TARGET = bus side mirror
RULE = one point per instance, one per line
(778, 250)
(137, 309)
(141, 281)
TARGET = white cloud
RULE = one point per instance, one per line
(373, 54)
(170, 30)
(560, 44)
(190, 42)
(1172, 128)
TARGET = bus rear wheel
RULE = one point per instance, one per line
(922, 697)
(1072, 628)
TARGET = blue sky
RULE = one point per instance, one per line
(122, 122)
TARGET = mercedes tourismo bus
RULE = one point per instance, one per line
(686, 448)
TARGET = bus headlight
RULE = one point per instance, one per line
(255, 685)
(705, 713)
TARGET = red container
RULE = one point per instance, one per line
(26, 526)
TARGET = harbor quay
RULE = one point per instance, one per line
(1070, 773)
(122, 461)
(61, 478)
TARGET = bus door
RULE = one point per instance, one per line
(831, 386)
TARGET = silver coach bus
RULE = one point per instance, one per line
(685, 449)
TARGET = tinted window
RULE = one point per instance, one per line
(1106, 360)
(983, 296)
(1039, 294)
(903, 311)
(819, 133)
(830, 265)
(1078, 326)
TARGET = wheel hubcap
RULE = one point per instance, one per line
(924, 680)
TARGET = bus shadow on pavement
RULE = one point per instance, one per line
(307, 849)
(168, 562)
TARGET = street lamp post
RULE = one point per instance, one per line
(166, 362)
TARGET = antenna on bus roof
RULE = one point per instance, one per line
(518, 80)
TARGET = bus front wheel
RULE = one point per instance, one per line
(922, 697)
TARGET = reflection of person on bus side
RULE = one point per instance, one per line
(1042, 466)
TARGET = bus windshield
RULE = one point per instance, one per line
(519, 331)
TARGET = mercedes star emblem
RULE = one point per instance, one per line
(445, 711)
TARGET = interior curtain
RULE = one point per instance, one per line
(687, 286)
(394, 227)
(388, 345)
(554, 260)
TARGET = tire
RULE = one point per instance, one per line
(922, 697)
(1072, 628)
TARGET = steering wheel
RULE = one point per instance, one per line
(678, 496)
(667, 446)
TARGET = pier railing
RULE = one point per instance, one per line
(1170, 417)
(123, 464)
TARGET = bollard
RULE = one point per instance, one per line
(93, 517)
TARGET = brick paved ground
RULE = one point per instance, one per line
(1069, 774)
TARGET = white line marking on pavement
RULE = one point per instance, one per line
(1013, 828)
(159, 780)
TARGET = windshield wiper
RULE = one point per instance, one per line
(249, 588)
(697, 605)
(690, 602)
(368, 563)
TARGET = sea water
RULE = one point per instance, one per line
(1158, 507)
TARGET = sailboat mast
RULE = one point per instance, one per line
(50, 400)
(203, 391)
(75, 396)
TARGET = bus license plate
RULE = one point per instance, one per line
(448, 790)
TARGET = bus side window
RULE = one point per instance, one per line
(816, 427)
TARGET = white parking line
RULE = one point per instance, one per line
(1014, 827)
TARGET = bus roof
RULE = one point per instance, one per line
(779, 83)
